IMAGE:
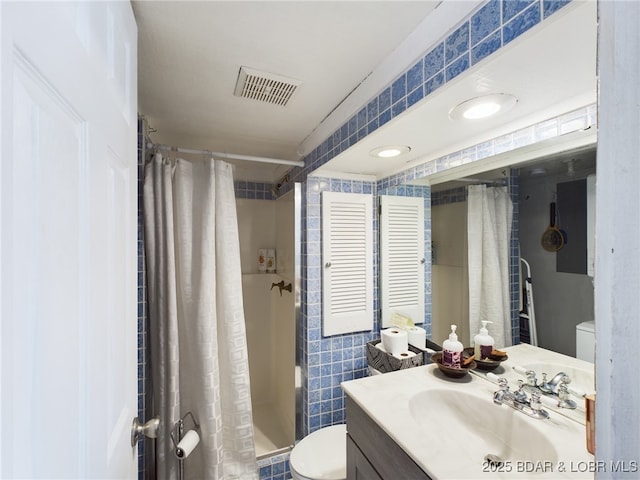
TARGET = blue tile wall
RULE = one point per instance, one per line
(144, 373)
(519, 24)
(274, 468)
(327, 361)
(514, 256)
(486, 31)
(253, 190)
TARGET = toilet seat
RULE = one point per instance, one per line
(321, 455)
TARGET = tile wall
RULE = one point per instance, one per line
(326, 361)
(329, 361)
(144, 373)
(514, 256)
(253, 190)
(492, 26)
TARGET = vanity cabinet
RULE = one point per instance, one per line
(372, 454)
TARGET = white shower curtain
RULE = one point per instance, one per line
(197, 329)
(489, 214)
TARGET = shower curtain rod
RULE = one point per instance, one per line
(231, 156)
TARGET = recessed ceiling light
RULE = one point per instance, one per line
(483, 107)
(390, 151)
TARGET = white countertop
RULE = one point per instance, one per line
(386, 398)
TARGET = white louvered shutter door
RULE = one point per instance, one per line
(347, 259)
(402, 257)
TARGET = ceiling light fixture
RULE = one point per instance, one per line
(390, 151)
(483, 107)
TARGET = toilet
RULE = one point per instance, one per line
(586, 341)
(321, 455)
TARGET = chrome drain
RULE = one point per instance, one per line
(493, 460)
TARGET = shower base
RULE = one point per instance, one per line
(272, 436)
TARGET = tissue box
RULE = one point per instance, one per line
(385, 362)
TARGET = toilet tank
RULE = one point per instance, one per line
(586, 341)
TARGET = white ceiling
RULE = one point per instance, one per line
(343, 53)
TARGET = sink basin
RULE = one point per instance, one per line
(473, 426)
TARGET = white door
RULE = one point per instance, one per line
(68, 239)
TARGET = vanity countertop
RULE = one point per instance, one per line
(390, 399)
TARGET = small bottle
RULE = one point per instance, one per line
(262, 260)
(452, 350)
(271, 261)
(483, 342)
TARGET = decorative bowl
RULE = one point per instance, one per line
(487, 364)
(451, 371)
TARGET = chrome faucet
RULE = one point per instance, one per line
(518, 400)
(556, 388)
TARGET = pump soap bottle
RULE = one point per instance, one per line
(452, 350)
(483, 342)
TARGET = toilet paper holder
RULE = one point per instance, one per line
(179, 430)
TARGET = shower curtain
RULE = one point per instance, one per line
(199, 359)
(489, 214)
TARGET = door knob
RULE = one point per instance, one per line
(148, 429)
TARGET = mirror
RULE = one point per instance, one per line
(563, 292)
(562, 296)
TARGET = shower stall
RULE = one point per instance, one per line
(272, 314)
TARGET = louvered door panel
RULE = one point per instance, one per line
(402, 257)
(347, 258)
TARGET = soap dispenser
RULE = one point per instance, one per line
(452, 350)
(483, 342)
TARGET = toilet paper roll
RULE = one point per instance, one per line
(395, 340)
(187, 444)
(417, 337)
(405, 355)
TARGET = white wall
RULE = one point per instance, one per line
(284, 353)
(269, 316)
(617, 275)
(256, 228)
(561, 300)
(449, 272)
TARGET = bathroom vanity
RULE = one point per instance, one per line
(419, 424)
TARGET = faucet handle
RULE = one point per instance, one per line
(536, 406)
(503, 393)
(563, 396)
(544, 384)
(503, 383)
(520, 395)
(535, 401)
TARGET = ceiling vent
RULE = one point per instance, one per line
(265, 87)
